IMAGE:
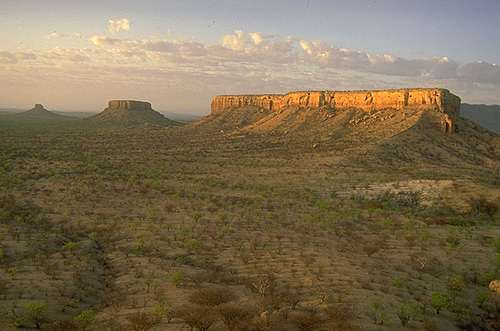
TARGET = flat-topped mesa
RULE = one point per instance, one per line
(424, 98)
(129, 105)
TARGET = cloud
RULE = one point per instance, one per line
(260, 50)
(243, 63)
(159, 46)
(55, 35)
(7, 58)
(14, 58)
(104, 41)
(256, 38)
(115, 26)
(236, 41)
(480, 72)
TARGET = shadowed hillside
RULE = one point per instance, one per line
(487, 116)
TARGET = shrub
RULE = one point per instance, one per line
(264, 284)
(378, 314)
(194, 245)
(34, 313)
(407, 312)
(198, 317)
(235, 316)
(481, 206)
(85, 319)
(496, 245)
(176, 278)
(440, 301)
(211, 297)
(307, 320)
(62, 326)
(339, 317)
(163, 309)
(456, 284)
(142, 321)
(401, 199)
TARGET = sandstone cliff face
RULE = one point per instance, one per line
(429, 99)
(129, 105)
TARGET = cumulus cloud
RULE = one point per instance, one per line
(236, 41)
(256, 38)
(117, 25)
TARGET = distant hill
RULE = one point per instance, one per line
(76, 114)
(181, 117)
(126, 113)
(488, 116)
(39, 112)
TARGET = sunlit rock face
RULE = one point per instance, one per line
(435, 99)
(129, 105)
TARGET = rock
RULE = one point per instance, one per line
(39, 112)
(129, 105)
(38, 106)
(495, 286)
(436, 99)
(131, 113)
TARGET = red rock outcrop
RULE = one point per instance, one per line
(425, 98)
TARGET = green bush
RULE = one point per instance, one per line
(407, 312)
(440, 301)
(85, 319)
(176, 278)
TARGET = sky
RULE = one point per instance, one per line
(77, 55)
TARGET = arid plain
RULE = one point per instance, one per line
(367, 210)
